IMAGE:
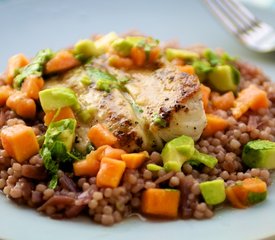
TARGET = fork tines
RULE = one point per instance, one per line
(234, 15)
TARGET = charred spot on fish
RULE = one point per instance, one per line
(77, 139)
(165, 114)
(171, 78)
(139, 141)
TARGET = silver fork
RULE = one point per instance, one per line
(254, 33)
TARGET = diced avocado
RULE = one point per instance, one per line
(213, 192)
(55, 98)
(259, 154)
(172, 166)
(135, 40)
(104, 42)
(172, 53)
(177, 151)
(224, 78)
(154, 167)
(256, 197)
(122, 47)
(85, 49)
(205, 159)
(86, 115)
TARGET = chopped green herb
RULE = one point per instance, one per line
(136, 108)
(146, 43)
(35, 67)
(202, 68)
(212, 57)
(226, 58)
(57, 146)
(103, 80)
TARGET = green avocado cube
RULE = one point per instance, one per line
(205, 159)
(224, 78)
(104, 42)
(58, 97)
(85, 48)
(256, 197)
(259, 154)
(172, 53)
(122, 47)
(213, 192)
(176, 152)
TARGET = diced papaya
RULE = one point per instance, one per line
(99, 135)
(110, 152)
(205, 91)
(20, 142)
(251, 97)
(154, 54)
(134, 160)
(187, 69)
(214, 124)
(247, 192)
(63, 113)
(22, 105)
(224, 102)
(87, 167)
(32, 85)
(15, 62)
(110, 172)
(231, 196)
(5, 92)
(138, 55)
(160, 202)
(62, 61)
(120, 62)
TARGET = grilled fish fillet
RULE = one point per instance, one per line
(174, 97)
(130, 113)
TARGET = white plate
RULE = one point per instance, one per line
(30, 25)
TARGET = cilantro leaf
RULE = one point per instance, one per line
(35, 67)
(57, 146)
(104, 81)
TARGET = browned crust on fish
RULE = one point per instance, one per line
(188, 86)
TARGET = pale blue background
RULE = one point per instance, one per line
(30, 25)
